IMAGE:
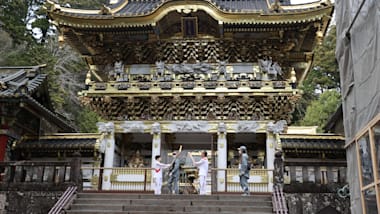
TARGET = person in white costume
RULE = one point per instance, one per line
(157, 177)
(202, 165)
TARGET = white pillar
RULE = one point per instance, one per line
(222, 157)
(156, 145)
(109, 152)
(156, 142)
(273, 143)
(270, 150)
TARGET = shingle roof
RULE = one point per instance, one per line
(133, 8)
(138, 7)
(60, 143)
(20, 83)
(14, 79)
(320, 142)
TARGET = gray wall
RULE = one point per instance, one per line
(27, 202)
(316, 203)
(359, 62)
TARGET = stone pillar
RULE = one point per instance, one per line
(156, 142)
(269, 156)
(222, 157)
(273, 146)
(75, 171)
(109, 142)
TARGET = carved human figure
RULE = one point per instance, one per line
(136, 160)
(265, 64)
(293, 78)
(233, 162)
(119, 67)
(160, 68)
(273, 69)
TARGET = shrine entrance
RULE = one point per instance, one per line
(193, 143)
(129, 153)
(256, 149)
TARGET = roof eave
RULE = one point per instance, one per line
(66, 17)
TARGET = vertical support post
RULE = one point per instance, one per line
(156, 141)
(109, 143)
(3, 142)
(156, 144)
(75, 172)
(270, 144)
(273, 146)
(222, 158)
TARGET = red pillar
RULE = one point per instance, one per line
(3, 142)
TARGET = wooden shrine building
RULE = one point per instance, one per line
(205, 74)
(25, 108)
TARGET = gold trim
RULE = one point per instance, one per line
(66, 136)
(266, 90)
(213, 126)
(308, 136)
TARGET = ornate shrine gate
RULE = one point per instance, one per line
(222, 178)
(159, 69)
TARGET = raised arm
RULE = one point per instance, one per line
(194, 162)
(163, 165)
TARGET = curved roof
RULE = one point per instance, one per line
(12, 79)
(142, 12)
(20, 83)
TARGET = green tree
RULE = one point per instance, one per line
(87, 120)
(66, 70)
(13, 14)
(323, 76)
(319, 111)
(325, 72)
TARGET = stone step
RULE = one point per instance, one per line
(174, 202)
(170, 208)
(128, 203)
(170, 197)
(151, 212)
(205, 209)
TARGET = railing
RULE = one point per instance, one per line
(32, 175)
(200, 85)
(64, 200)
(25, 171)
(278, 200)
(121, 179)
(227, 180)
(140, 179)
(300, 178)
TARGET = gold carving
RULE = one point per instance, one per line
(114, 177)
(221, 180)
(95, 181)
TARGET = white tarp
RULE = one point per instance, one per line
(358, 56)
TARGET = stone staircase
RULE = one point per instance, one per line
(128, 203)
